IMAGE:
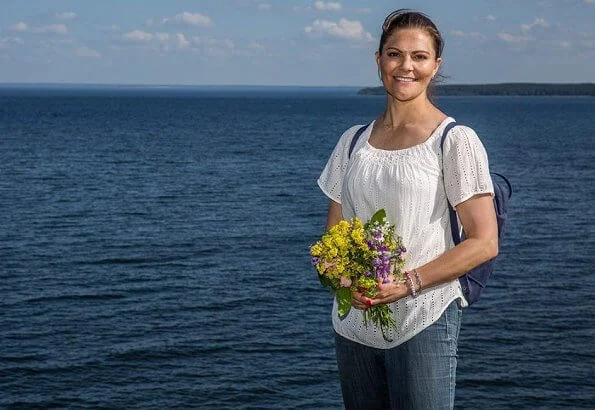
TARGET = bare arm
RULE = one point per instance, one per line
(335, 214)
(478, 218)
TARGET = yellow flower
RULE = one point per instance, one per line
(316, 249)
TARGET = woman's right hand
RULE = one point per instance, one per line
(359, 301)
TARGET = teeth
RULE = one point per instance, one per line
(405, 79)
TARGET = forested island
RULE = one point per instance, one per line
(524, 89)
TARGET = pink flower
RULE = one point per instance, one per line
(345, 282)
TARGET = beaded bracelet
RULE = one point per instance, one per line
(418, 280)
(410, 283)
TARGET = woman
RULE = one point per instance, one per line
(398, 165)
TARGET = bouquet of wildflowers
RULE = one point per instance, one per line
(353, 256)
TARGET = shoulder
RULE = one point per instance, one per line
(462, 136)
(463, 132)
(347, 137)
(351, 131)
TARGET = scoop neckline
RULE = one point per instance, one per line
(428, 140)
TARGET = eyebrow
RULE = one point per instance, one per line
(414, 51)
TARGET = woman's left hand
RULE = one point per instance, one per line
(389, 292)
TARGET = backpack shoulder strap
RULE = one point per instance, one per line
(509, 192)
(454, 223)
(448, 127)
(358, 134)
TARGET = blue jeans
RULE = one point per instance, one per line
(418, 374)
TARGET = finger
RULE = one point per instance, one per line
(361, 305)
(385, 291)
(360, 301)
(390, 294)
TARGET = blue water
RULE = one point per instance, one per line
(154, 250)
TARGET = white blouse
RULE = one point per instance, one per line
(409, 184)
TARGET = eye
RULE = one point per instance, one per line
(393, 54)
(420, 57)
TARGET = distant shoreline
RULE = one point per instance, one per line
(520, 89)
(502, 89)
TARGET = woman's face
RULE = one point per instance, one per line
(407, 63)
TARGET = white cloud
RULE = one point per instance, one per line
(60, 42)
(182, 42)
(52, 28)
(87, 52)
(137, 35)
(65, 16)
(210, 41)
(162, 36)
(589, 1)
(564, 44)
(328, 6)
(256, 46)
(213, 47)
(194, 19)
(20, 26)
(538, 22)
(6, 41)
(345, 29)
(474, 34)
(113, 27)
(512, 39)
(490, 17)
(264, 6)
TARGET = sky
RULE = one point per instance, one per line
(285, 42)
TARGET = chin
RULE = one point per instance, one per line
(403, 97)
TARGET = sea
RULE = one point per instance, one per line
(154, 249)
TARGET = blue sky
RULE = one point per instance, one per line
(289, 42)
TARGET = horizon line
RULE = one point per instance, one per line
(165, 85)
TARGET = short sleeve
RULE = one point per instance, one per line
(331, 178)
(466, 168)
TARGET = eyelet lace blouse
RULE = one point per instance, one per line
(409, 185)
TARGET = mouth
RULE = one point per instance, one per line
(405, 79)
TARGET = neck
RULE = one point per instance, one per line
(398, 112)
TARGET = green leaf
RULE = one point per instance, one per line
(343, 296)
(379, 216)
(324, 281)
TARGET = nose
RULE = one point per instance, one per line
(407, 63)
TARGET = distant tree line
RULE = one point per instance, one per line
(501, 89)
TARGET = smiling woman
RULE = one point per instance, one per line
(398, 165)
(407, 63)
(412, 54)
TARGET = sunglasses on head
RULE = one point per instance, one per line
(392, 17)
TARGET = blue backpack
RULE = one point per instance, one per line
(477, 278)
